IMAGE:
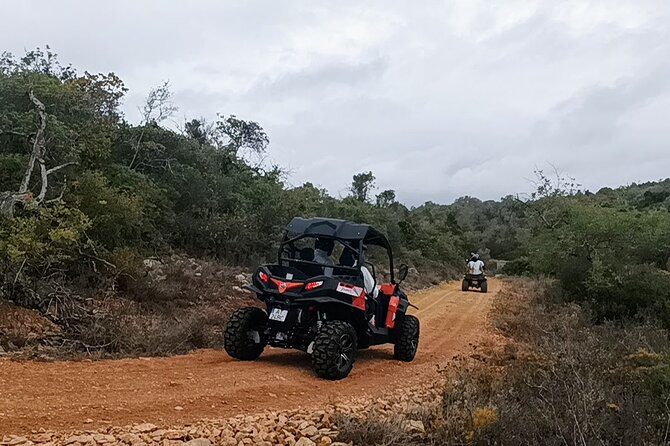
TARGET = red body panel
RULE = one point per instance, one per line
(388, 289)
(359, 302)
(393, 308)
(357, 293)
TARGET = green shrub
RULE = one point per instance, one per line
(517, 267)
(44, 238)
(612, 258)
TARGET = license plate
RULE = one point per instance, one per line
(279, 315)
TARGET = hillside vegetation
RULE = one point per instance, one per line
(87, 197)
(88, 200)
(84, 190)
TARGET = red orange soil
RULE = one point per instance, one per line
(209, 384)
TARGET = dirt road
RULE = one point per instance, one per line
(208, 384)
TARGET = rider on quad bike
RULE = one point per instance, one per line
(474, 276)
(327, 309)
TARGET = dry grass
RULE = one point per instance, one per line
(371, 431)
(559, 379)
(126, 328)
(161, 308)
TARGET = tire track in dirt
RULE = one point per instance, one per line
(208, 384)
(454, 328)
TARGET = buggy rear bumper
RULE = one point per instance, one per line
(289, 300)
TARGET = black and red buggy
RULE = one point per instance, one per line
(320, 307)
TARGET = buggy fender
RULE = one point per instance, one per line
(403, 305)
(394, 303)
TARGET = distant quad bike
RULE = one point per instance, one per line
(320, 309)
(475, 281)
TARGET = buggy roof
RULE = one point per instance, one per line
(342, 229)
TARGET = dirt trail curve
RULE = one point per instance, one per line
(208, 384)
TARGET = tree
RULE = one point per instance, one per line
(38, 154)
(561, 185)
(199, 130)
(36, 61)
(545, 203)
(234, 135)
(362, 185)
(157, 107)
(386, 198)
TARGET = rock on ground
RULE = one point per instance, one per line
(298, 427)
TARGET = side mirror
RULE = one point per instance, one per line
(402, 272)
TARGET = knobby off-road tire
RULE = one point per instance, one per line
(243, 337)
(334, 350)
(465, 286)
(484, 286)
(407, 339)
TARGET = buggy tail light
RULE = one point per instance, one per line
(264, 277)
(313, 285)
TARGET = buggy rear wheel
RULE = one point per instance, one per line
(465, 286)
(407, 339)
(483, 287)
(334, 350)
(243, 336)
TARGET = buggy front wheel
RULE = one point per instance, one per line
(407, 339)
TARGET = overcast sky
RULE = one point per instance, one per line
(438, 99)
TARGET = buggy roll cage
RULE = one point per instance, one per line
(351, 235)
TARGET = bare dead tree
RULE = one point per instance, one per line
(541, 202)
(8, 199)
(157, 107)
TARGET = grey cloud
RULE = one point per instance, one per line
(317, 79)
(598, 134)
(438, 100)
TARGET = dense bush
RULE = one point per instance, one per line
(583, 383)
(517, 267)
(614, 259)
(555, 378)
(151, 190)
(560, 379)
